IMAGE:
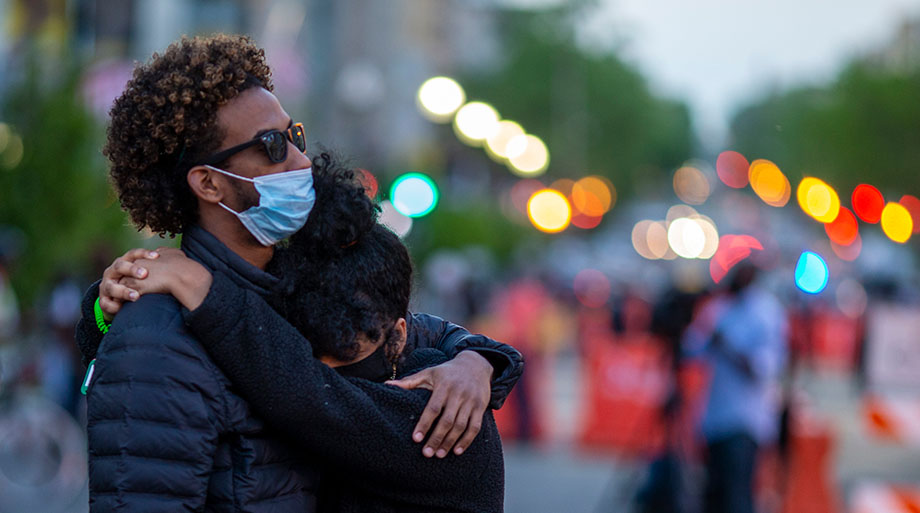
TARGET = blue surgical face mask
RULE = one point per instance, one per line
(285, 202)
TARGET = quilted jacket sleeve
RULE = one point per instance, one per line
(87, 334)
(153, 414)
(432, 331)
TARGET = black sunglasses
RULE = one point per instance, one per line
(274, 141)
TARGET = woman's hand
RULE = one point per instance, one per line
(113, 293)
(164, 271)
(171, 273)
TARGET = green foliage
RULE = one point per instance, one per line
(595, 112)
(862, 128)
(57, 195)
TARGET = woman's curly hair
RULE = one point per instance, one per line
(166, 120)
(351, 275)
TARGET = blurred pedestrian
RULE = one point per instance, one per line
(742, 335)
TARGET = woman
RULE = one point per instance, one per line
(350, 281)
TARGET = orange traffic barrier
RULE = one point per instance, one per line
(809, 486)
(893, 418)
(885, 498)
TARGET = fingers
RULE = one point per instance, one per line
(431, 412)
(410, 382)
(109, 307)
(461, 422)
(445, 425)
(472, 429)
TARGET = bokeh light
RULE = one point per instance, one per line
(732, 168)
(769, 183)
(522, 191)
(844, 229)
(394, 220)
(367, 179)
(527, 155)
(592, 197)
(439, 98)
(475, 122)
(912, 204)
(732, 250)
(657, 240)
(691, 185)
(851, 298)
(678, 211)
(640, 239)
(848, 253)
(592, 288)
(897, 223)
(711, 235)
(563, 185)
(868, 203)
(5, 134)
(12, 154)
(414, 194)
(586, 222)
(549, 211)
(497, 143)
(818, 199)
(811, 273)
(686, 237)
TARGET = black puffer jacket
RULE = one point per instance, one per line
(358, 430)
(166, 432)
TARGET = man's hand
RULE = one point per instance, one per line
(112, 293)
(460, 391)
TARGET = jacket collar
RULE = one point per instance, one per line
(203, 247)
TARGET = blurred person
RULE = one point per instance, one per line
(58, 363)
(199, 146)
(320, 380)
(742, 335)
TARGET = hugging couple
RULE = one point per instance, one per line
(240, 373)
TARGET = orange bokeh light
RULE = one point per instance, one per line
(769, 183)
(586, 222)
(843, 229)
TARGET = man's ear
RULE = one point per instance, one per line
(203, 185)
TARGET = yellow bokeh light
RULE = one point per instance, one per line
(4, 136)
(818, 199)
(527, 155)
(475, 122)
(592, 197)
(439, 98)
(711, 237)
(497, 143)
(549, 211)
(12, 154)
(678, 211)
(896, 222)
(691, 185)
(769, 183)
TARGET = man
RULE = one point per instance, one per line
(742, 334)
(199, 146)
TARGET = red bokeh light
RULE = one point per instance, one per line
(732, 169)
(868, 203)
(366, 178)
(522, 191)
(912, 204)
(843, 229)
(732, 249)
(586, 222)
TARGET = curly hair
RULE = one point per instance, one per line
(166, 119)
(350, 275)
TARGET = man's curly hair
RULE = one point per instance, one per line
(166, 120)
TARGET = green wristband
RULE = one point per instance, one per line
(100, 318)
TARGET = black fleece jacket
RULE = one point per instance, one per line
(359, 431)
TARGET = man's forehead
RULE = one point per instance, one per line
(253, 110)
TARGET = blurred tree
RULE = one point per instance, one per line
(595, 112)
(53, 184)
(862, 128)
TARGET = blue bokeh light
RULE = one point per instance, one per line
(414, 194)
(811, 273)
